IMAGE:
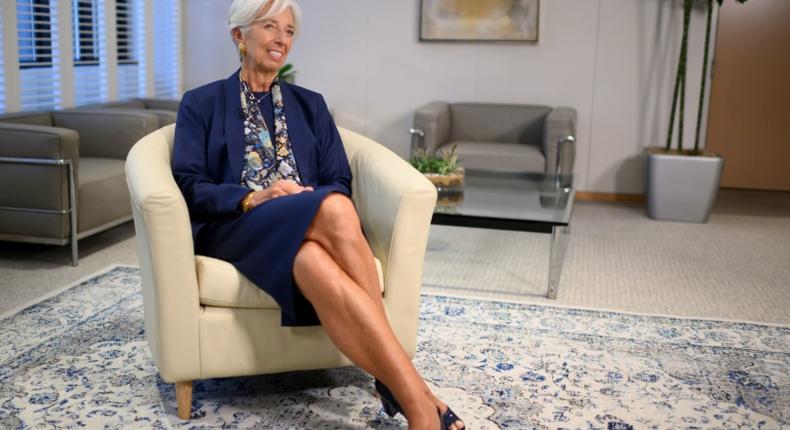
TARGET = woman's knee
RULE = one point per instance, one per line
(314, 272)
(306, 258)
(338, 217)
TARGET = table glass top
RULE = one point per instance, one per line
(510, 196)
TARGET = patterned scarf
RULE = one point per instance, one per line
(265, 162)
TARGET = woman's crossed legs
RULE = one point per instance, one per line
(335, 270)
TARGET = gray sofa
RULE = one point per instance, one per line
(62, 173)
(500, 137)
(165, 110)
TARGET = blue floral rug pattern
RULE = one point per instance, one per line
(79, 360)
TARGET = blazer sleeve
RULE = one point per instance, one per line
(333, 168)
(205, 198)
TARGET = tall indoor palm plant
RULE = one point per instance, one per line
(682, 184)
(680, 76)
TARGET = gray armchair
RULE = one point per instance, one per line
(164, 109)
(62, 173)
(500, 137)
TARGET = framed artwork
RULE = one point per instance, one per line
(479, 20)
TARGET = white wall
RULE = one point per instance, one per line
(208, 52)
(612, 60)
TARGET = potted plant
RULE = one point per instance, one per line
(682, 183)
(444, 172)
(287, 73)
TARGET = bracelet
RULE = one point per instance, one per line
(245, 202)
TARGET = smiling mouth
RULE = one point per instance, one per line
(274, 54)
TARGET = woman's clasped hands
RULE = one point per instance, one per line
(278, 189)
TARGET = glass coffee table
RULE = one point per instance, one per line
(535, 203)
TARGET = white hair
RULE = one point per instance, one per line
(242, 13)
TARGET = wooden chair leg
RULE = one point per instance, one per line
(184, 398)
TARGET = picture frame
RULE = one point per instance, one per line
(479, 21)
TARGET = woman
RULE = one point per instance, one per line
(267, 183)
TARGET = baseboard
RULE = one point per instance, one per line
(588, 196)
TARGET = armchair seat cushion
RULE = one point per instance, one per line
(509, 157)
(102, 195)
(220, 284)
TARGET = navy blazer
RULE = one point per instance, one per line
(208, 152)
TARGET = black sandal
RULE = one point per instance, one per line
(448, 418)
(392, 407)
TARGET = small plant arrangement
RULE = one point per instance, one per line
(287, 73)
(444, 172)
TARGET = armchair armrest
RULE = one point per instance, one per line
(559, 135)
(107, 133)
(395, 204)
(164, 240)
(434, 120)
(162, 104)
(38, 141)
(47, 158)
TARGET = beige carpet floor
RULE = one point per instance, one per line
(737, 266)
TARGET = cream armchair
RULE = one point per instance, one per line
(203, 319)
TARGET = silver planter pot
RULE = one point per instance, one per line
(681, 187)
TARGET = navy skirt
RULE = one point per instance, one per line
(262, 244)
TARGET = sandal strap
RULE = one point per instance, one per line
(449, 418)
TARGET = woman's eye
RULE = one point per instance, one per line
(290, 32)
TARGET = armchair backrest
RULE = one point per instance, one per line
(28, 118)
(488, 122)
(124, 104)
(161, 104)
(106, 133)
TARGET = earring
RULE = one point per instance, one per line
(242, 50)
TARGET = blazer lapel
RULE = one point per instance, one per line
(234, 125)
(298, 133)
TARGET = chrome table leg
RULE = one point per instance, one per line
(559, 243)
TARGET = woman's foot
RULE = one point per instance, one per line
(427, 415)
(447, 418)
(434, 417)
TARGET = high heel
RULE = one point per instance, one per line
(392, 407)
(388, 402)
(448, 418)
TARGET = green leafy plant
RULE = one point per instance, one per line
(680, 77)
(444, 165)
(287, 72)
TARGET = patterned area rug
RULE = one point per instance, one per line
(79, 359)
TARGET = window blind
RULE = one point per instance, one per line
(167, 63)
(148, 50)
(2, 69)
(129, 18)
(39, 71)
(88, 43)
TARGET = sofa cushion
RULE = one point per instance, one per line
(103, 196)
(220, 284)
(497, 122)
(505, 157)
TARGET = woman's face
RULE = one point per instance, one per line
(269, 40)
